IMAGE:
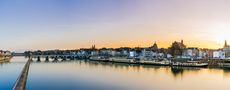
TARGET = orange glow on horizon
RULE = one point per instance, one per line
(147, 43)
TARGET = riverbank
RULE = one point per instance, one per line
(143, 61)
(165, 62)
(5, 59)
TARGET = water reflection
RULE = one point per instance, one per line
(175, 71)
(9, 72)
(91, 75)
(179, 71)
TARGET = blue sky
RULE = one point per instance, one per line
(70, 24)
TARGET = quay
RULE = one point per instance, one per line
(21, 81)
(210, 63)
(5, 59)
(172, 62)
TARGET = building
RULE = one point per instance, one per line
(1, 53)
(204, 53)
(5, 53)
(177, 48)
(148, 53)
(191, 53)
(154, 47)
(218, 54)
(226, 50)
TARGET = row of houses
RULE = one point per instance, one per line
(203, 53)
(177, 50)
(129, 52)
(110, 52)
(5, 53)
(180, 51)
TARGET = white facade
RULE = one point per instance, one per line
(201, 54)
(147, 53)
(219, 54)
(132, 54)
(169, 56)
(94, 53)
(191, 53)
(5, 53)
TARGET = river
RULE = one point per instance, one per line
(90, 75)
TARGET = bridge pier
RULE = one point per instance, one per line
(38, 59)
(47, 59)
(71, 57)
(55, 59)
(64, 58)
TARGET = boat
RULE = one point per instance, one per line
(190, 64)
(225, 63)
(99, 58)
(156, 62)
(122, 60)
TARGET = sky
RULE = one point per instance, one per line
(73, 24)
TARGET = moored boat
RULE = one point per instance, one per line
(156, 62)
(225, 63)
(99, 58)
(122, 60)
(190, 64)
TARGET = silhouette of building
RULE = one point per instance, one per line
(177, 48)
(191, 52)
(226, 44)
(218, 54)
(154, 48)
(226, 49)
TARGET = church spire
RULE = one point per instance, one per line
(154, 47)
(225, 43)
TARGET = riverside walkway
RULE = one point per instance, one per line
(22, 79)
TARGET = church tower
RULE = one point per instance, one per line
(154, 47)
(182, 41)
(226, 44)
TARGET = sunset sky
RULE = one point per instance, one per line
(72, 24)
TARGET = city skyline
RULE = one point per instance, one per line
(73, 24)
(152, 45)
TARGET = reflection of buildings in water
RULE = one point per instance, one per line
(4, 63)
(152, 68)
(226, 72)
(179, 72)
(118, 66)
(133, 67)
(126, 67)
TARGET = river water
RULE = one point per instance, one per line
(89, 75)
